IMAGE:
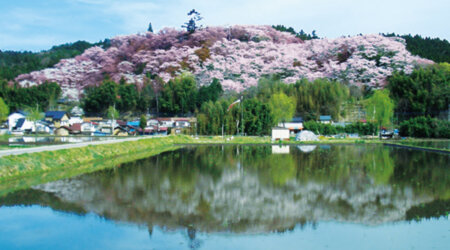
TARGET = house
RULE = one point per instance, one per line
(75, 128)
(166, 122)
(58, 118)
(280, 133)
(14, 117)
(182, 122)
(75, 119)
(24, 125)
(294, 126)
(87, 128)
(326, 119)
(153, 122)
(77, 111)
(62, 131)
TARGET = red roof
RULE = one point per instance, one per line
(162, 129)
(182, 119)
(76, 127)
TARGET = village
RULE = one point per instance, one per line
(74, 123)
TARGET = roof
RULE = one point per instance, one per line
(76, 127)
(279, 128)
(182, 119)
(325, 117)
(121, 123)
(55, 114)
(63, 127)
(20, 122)
(133, 123)
(297, 119)
(91, 119)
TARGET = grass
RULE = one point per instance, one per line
(21, 171)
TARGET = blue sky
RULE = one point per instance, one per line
(39, 24)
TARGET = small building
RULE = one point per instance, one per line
(14, 117)
(280, 133)
(326, 119)
(182, 123)
(62, 131)
(58, 118)
(294, 126)
(74, 120)
(75, 129)
(166, 122)
(87, 128)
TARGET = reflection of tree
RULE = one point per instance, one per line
(204, 189)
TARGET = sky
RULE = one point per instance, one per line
(35, 25)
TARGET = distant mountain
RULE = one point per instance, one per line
(238, 56)
(14, 63)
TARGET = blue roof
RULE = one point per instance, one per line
(133, 123)
(297, 119)
(20, 123)
(325, 117)
(55, 114)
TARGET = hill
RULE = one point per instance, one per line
(238, 56)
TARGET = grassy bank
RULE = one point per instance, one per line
(21, 171)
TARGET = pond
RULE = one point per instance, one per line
(242, 197)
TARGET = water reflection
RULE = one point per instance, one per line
(252, 189)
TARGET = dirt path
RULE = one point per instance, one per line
(20, 151)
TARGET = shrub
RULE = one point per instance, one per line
(425, 127)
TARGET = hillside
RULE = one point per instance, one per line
(238, 56)
(14, 63)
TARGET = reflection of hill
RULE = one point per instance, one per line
(247, 189)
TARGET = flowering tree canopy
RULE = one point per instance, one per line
(238, 56)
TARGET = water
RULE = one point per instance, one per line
(260, 197)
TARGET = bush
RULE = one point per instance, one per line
(328, 129)
(425, 127)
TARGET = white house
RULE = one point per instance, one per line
(166, 122)
(294, 126)
(13, 118)
(182, 123)
(74, 120)
(279, 133)
(326, 119)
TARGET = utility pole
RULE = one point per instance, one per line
(242, 115)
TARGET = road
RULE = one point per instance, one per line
(20, 151)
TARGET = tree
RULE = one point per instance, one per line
(179, 95)
(143, 122)
(4, 110)
(34, 115)
(424, 92)
(380, 108)
(150, 28)
(282, 107)
(191, 25)
(112, 113)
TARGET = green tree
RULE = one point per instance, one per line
(424, 92)
(179, 95)
(4, 110)
(380, 108)
(282, 107)
(34, 115)
(112, 113)
(143, 122)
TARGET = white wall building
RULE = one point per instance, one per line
(280, 133)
